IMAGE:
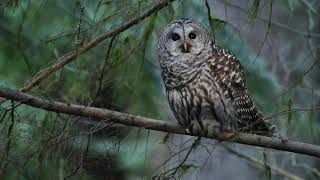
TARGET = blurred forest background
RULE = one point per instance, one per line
(277, 42)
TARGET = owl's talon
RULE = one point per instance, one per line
(284, 139)
(211, 128)
(226, 135)
(188, 131)
(194, 128)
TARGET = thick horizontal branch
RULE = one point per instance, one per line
(68, 57)
(147, 123)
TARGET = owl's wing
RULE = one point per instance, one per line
(229, 74)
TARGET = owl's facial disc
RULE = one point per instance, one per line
(194, 38)
(179, 39)
(185, 38)
(176, 40)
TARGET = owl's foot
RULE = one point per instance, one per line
(209, 128)
(214, 129)
(194, 128)
(283, 138)
(225, 135)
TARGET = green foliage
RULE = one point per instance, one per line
(290, 104)
(254, 12)
(165, 138)
(185, 168)
(128, 80)
(290, 4)
(267, 169)
(196, 143)
(217, 24)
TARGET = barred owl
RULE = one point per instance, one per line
(205, 84)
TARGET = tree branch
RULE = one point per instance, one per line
(68, 57)
(148, 123)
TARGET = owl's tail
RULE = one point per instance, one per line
(251, 119)
(264, 127)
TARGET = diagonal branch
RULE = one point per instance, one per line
(68, 57)
(148, 123)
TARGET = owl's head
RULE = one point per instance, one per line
(184, 38)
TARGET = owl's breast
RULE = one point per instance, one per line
(179, 78)
(188, 102)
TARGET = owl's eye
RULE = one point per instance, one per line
(192, 35)
(175, 37)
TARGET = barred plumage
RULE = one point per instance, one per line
(205, 84)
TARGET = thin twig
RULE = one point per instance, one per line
(4, 159)
(293, 110)
(104, 68)
(274, 168)
(310, 7)
(185, 157)
(267, 33)
(273, 23)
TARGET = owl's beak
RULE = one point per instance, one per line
(185, 47)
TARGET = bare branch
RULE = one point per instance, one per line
(148, 123)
